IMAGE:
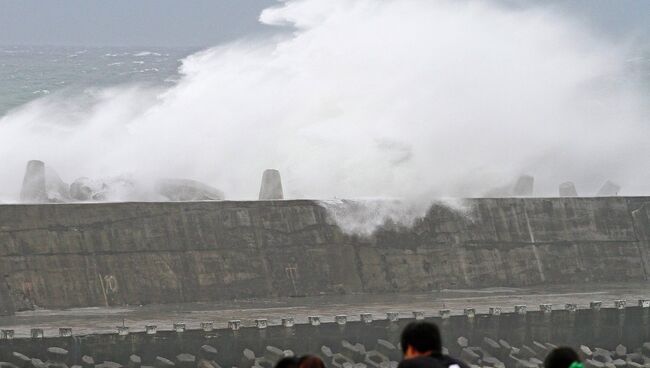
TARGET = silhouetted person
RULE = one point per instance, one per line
(288, 362)
(310, 361)
(562, 357)
(422, 348)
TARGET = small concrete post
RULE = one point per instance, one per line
(36, 333)
(65, 332)
(595, 307)
(546, 308)
(150, 329)
(520, 330)
(341, 320)
(494, 311)
(366, 318)
(122, 330)
(207, 326)
(314, 320)
(234, 325)
(261, 323)
(8, 334)
(609, 189)
(418, 315)
(271, 188)
(179, 327)
(288, 322)
(520, 309)
(444, 313)
(644, 304)
(620, 305)
(571, 307)
(392, 316)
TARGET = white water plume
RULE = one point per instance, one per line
(363, 98)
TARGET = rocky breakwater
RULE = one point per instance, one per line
(106, 254)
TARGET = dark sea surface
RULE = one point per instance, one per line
(27, 73)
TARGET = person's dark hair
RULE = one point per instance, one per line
(422, 336)
(562, 357)
(310, 361)
(288, 362)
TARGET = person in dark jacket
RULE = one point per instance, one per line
(562, 357)
(422, 348)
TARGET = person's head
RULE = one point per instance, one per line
(421, 338)
(288, 362)
(310, 361)
(562, 357)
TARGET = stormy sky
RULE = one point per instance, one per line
(209, 22)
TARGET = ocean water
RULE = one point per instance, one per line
(27, 73)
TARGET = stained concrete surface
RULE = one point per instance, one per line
(104, 320)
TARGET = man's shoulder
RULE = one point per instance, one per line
(442, 361)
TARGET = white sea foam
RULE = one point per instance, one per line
(399, 98)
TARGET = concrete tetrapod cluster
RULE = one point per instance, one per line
(606, 338)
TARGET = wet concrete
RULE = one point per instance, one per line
(105, 320)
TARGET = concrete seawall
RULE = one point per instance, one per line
(69, 255)
(603, 326)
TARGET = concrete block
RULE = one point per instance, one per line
(65, 332)
(462, 341)
(34, 187)
(314, 320)
(590, 363)
(107, 364)
(609, 189)
(122, 330)
(185, 360)
(494, 311)
(374, 358)
(620, 304)
(571, 307)
(366, 317)
(388, 349)
(207, 326)
(7, 334)
(326, 351)
(644, 303)
(288, 322)
(540, 348)
(234, 324)
(179, 327)
(444, 313)
(208, 352)
(341, 319)
(520, 309)
(36, 333)
(392, 316)
(595, 305)
(150, 329)
(339, 360)
(546, 308)
(568, 189)
(469, 312)
(418, 315)
(584, 352)
(273, 354)
(160, 362)
(271, 188)
(469, 356)
(134, 361)
(19, 360)
(261, 323)
(56, 354)
(524, 186)
(87, 361)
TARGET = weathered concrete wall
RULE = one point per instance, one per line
(136, 253)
